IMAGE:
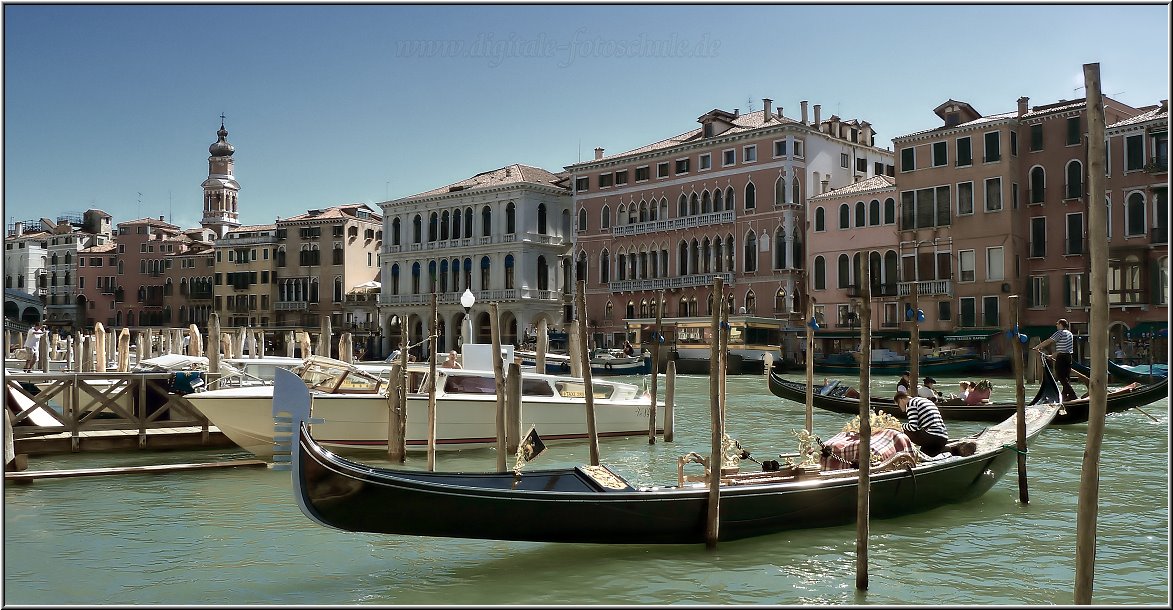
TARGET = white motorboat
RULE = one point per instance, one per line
(353, 405)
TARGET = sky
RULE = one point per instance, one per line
(114, 106)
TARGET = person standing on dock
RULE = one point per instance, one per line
(1064, 343)
(33, 345)
(925, 427)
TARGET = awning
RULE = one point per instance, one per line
(1150, 327)
(970, 335)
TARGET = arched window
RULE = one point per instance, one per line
(632, 214)
(1074, 180)
(780, 191)
(751, 252)
(706, 202)
(433, 227)
(844, 271)
(780, 249)
(468, 222)
(820, 219)
(605, 218)
(394, 288)
(510, 218)
(541, 219)
(682, 206)
(694, 256)
(631, 309)
(543, 274)
(820, 273)
(456, 224)
(445, 224)
(844, 216)
(486, 221)
(338, 289)
(706, 255)
(860, 214)
(889, 211)
(643, 210)
(604, 267)
(508, 271)
(729, 198)
(415, 278)
(1134, 215)
(718, 200)
(395, 232)
(751, 303)
(443, 287)
(693, 205)
(582, 220)
(874, 213)
(417, 229)
(682, 259)
(1038, 184)
(621, 268)
(751, 197)
(486, 266)
(796, 188)
(730, 254)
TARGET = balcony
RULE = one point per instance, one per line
(878, 290)
(291, 305)
(667, 283)
(674, 224)
(927, 288)
(483, 296)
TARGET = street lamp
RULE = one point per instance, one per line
(467, 300)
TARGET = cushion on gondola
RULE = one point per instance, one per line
(842, 450)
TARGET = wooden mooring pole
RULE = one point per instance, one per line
(499, 376)
(1020, 403)
(713, 516)
(433, 331)
(587, 381)
(669, 399)
(655, 366)
(396, 418)
(864, 495)
(1089, 485)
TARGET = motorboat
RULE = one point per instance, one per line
(353, 406)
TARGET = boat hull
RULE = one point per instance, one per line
(967, 364)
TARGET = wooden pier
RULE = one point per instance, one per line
(75, 412)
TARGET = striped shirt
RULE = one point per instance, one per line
(1064, 341)
(923, 415)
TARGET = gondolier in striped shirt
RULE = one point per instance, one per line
(1064, 343)
(924, 426)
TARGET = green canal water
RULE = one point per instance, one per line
(236, 536)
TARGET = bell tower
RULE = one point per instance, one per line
(220, 189)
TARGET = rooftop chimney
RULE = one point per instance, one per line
(779, 111)
(818, 113)
(598, 153)
(803, 103)
(767, 108)
(736, 112)
(508, 171)
(1022, 105)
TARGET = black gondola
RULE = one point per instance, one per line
(594, 505)
(1074, 411)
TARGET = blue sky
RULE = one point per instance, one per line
(339, 104)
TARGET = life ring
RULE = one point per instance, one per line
(607, 365)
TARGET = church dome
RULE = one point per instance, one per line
(221, 147)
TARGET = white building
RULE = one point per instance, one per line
(503, 234)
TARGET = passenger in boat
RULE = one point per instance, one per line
(627, 348)
(979, 394)
(33, 344)
(904, 383)
(927, 390)
(963, 390)
(924, 426)
(451, 361)
(1064, 343)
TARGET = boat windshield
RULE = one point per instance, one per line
(575, 389)
(334, 376)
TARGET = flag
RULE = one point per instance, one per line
(532, 445)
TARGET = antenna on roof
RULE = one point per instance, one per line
(749, 103)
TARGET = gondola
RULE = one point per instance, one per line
(592, 504)
(1074, 411)
(1121, 372)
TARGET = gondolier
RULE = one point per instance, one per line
(924, 426)
(1064, 343)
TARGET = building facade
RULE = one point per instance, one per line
(504, 234)
(726, 199)
(319, 256)
(243, 276)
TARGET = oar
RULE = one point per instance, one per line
(1155, 420)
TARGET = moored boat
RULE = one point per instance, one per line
(353, 406)
(937, 362)
(593, 504)
(1075, 411)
